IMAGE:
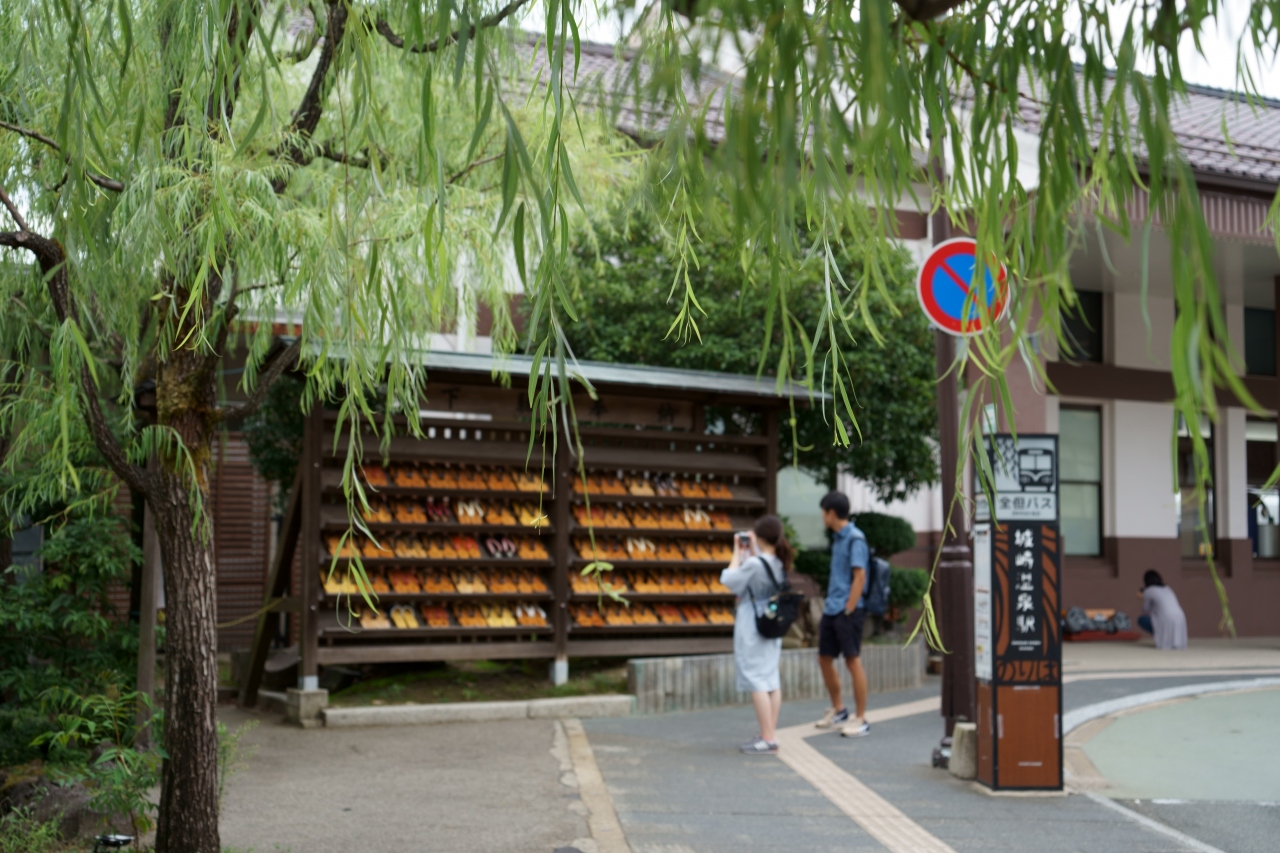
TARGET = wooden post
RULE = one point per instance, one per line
(308, 638)
(561, 497)
(277, 580)
(147, 625)
(771, 462)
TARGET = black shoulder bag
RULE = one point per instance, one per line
(782, 610)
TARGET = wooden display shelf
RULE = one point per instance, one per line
(332, 485)
(460, 451)
(331, 627)
(406, 650)
(650, 532)
(651, 565)
(576, 630)
(683, 461)
(445, 596)
(439, 563)
(335, 518)
(662, 597)
(745, 500)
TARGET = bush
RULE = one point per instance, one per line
(888, 534)
(816, 563)
(19, 833)
(907, 587)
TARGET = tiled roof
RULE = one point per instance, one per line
(1254, 129)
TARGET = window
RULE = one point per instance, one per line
(1260, 342)
(1196, 542)
(1082, 328)
(1080, 480)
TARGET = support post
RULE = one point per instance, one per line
(277, 580)
(309, 607)
(771, 462)
(953, 594)
(147, 625)
(561, 497)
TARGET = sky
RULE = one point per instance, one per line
(1218, 70)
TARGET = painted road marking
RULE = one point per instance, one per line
(1153, 825)
(876, 815)
(606, 829)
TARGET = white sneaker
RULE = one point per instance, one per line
(860, 728)
(833, 718)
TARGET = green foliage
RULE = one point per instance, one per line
(907, 587)
(816, 563)
(274, 435)
(19, 833)
(622, 281)
(96, 740)
(888, 534)
(57, 627)
(231, 756)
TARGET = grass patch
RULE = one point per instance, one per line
(20, 834)
(480, 681)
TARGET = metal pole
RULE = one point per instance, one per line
(953, 592)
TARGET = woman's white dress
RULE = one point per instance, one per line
(1168, 622)
(755, 658)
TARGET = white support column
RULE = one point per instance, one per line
(1230, 475)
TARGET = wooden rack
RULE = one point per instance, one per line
(648, 457)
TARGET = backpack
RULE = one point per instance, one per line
(875, 598)
(782, 610)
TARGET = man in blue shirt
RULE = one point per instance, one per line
(840, 631)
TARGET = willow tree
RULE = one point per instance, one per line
(177, 171)
(178, 176)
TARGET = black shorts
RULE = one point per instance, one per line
(841, 634)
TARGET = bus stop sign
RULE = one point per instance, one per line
(945, 284)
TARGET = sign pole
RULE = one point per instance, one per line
(953, 592)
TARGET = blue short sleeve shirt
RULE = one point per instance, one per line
(848, 552)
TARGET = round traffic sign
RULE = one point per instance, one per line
(944, 285)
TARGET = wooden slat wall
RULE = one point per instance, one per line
(240, 505)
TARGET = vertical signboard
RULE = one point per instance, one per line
(1020, 690)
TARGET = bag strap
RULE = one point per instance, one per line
(769, 571)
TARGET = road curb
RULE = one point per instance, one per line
(477, 712)
(1074, 719)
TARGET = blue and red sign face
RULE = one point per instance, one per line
(944, 286)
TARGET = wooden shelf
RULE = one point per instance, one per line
(745, 500)
(650, 565)
(332, 479)
(447, 596)
(335, 518)
(682, 628)
(331, 627)
(651, 532)
(709, 462)
(440, 563)
(664, 597)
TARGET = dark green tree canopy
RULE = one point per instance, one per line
(623, 286)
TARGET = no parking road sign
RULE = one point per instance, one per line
(944, 286)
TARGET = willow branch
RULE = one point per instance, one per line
(466, 170)
(105, 183)
(432, 46)
(282, 362)
(49, 255)
(307, 117)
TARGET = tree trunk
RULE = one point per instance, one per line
(188, 820)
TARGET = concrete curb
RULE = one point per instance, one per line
(476, 712)
(1074, 719)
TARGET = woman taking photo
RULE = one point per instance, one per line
(761, 560)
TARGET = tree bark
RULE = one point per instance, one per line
(188, 822)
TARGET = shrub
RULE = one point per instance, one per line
(816, 563)
(888, 534)
(907, 587)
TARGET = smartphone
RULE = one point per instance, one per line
(743, 541)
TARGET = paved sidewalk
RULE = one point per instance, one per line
(505, 786)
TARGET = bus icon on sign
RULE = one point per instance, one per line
(1035, 469)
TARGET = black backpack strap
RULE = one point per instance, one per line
(769, 571)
